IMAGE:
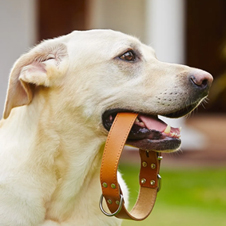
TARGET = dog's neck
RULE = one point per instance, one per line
(64, 159)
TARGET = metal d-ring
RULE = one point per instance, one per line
(111, 214)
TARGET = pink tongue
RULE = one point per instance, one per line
(156, 124)
(153, 124)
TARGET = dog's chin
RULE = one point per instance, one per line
(148, 132)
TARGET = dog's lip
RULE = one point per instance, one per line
(168, 144)
(182, 112)
(148, 132)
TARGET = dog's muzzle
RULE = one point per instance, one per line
(148, 132)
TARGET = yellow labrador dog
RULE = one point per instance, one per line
(62, 98)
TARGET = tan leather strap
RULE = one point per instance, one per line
(149, 173)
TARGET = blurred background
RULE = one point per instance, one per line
(181, 31)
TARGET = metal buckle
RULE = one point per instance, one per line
(159, 182)
(158, 176)
(110, 214)
(159, 156)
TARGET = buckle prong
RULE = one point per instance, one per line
(159, 182)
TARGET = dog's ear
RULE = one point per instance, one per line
(32, 69)
(21, 85)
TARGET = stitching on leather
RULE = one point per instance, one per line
(122, 145)
(106, 145)
(108, 138)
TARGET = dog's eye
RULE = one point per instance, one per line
(49, 57)
(128, 56)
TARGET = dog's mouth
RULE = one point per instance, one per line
(148, 132)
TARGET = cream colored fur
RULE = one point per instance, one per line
(51, 134)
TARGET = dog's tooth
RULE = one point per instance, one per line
(137, 120)
(175, 135)
(180, 129)
(172, 134)
(167, 129)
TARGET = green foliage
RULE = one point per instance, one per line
(188, 197)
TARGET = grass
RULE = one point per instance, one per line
(189, 197)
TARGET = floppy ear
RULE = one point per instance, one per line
(42, 64)
(22, 83)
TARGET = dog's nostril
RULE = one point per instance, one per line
(204, 82)
(201, 80)
(198, 82)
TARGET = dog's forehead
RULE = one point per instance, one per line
(105, 41)
(101, 34)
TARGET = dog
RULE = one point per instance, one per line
(61, 100)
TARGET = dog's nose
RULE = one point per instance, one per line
(201, 79)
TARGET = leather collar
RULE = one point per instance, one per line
(149, 173)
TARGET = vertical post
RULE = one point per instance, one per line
(165, 29)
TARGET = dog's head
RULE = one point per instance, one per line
(99, 73)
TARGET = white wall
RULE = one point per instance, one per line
(165, 29)
(127, 16)
(17, 34)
